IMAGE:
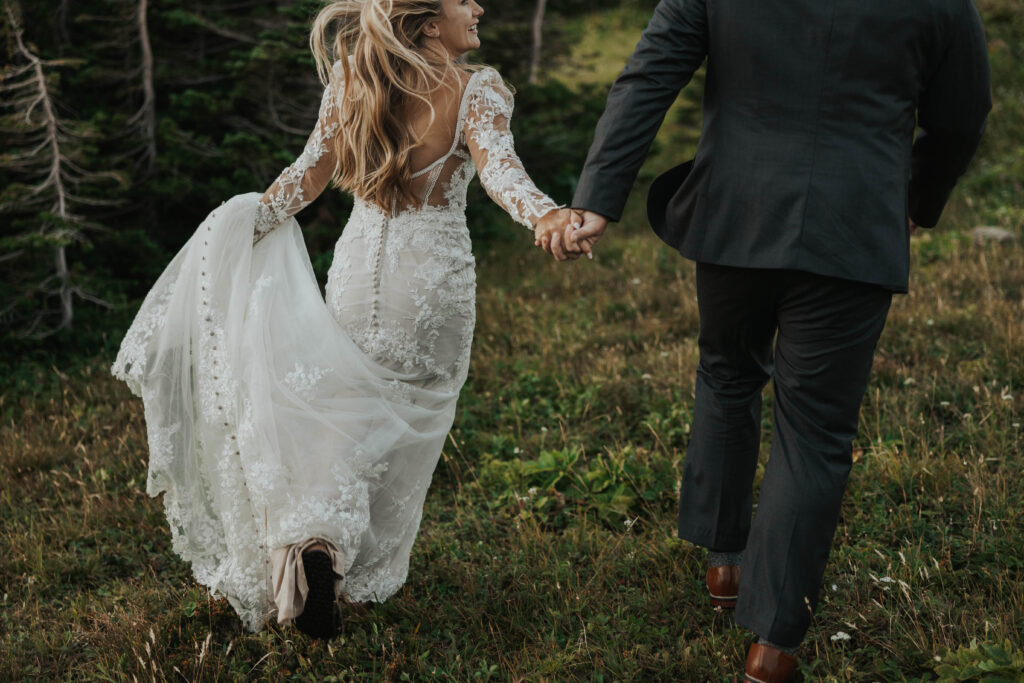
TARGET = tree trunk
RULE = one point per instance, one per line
(67, 309)
(148, 111)
(62, 24)
(538, 25)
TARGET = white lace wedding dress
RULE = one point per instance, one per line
(274, 417)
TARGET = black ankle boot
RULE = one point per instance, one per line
(320, 617)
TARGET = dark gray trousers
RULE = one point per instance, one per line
(825, 331)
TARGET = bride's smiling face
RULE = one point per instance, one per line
(457, 27)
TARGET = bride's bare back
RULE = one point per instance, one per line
(437, 157)
(436, 136)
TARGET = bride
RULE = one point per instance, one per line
(293, 438)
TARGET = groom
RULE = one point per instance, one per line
(798, 208)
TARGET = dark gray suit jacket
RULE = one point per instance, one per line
(807, 158)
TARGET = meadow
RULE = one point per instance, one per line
(547, 550)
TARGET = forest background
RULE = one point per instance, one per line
(547, 550)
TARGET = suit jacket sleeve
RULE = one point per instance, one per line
(951, 117)
(671, 49)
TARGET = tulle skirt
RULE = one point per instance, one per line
(268, 425)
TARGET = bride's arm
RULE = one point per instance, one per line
(303, 181)
(488, 111)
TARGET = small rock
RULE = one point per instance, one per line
(987, 233)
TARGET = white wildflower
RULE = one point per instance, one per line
(840, 636)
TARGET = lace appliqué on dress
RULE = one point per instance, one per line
(303, 181)
(488, 114)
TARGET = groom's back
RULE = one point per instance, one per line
(790, 67)
(809, 115)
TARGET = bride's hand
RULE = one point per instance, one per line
(549, 233)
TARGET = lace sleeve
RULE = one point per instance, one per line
(303, 181)
(488, 112)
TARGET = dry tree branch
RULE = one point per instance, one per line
(222, 32)
(275, 118)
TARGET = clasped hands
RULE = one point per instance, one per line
(568, 234)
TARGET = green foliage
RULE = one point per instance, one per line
(986, 662)
(615, 486)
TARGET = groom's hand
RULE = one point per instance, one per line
(587, 235)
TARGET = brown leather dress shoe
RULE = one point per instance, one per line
(724, 585)
(768, 665)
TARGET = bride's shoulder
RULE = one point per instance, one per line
(338, 68)
(487, 76)
(485, 82)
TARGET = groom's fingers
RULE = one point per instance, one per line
(587, 231)
(572, 236)
(586, 248)
(556, 246)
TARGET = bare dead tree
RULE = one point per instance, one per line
(44, 155)
(145, 118)
(537, 30)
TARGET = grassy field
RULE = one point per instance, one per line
(547, 550)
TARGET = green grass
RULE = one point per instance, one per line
(547, 550)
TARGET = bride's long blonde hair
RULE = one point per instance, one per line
(387, 72)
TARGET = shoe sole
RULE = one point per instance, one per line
(725, 602)
(319, 617)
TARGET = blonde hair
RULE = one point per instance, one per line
(387, 71)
